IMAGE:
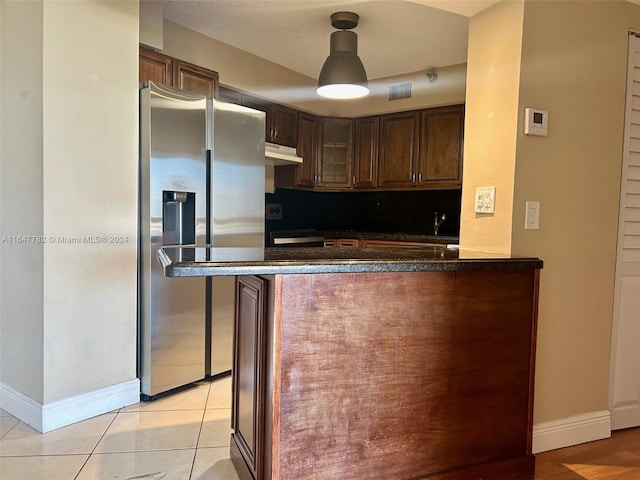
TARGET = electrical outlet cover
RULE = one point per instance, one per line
(273, 211)
(485, 199)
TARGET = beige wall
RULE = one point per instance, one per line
(573, 64)
(21, 310)
(448, 89)
(151, 24)
(253, 74)
(90, 119)
(493, 73)
(69, 168)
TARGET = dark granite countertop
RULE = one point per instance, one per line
(399, 237)
(201, 261)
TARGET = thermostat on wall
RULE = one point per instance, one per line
(536, 122)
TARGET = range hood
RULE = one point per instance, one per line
(278, 155)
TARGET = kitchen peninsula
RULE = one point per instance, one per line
(378, 363)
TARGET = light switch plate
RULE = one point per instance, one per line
(532, 216)
(485, 199)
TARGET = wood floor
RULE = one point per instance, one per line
(616, 458)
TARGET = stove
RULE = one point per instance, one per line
(296, 238)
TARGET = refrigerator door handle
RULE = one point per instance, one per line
(209, 198)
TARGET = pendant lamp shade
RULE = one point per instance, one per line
(343, 75)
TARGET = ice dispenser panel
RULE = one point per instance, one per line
(178, 218)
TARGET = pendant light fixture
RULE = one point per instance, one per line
(343, 75)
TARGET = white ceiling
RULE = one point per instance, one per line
(394, 36)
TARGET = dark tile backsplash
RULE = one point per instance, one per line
(401, 212)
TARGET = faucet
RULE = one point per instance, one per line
(437, 222)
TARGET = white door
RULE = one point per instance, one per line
(624, 392)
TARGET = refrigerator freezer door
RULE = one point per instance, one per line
(237, 175)
(236, 140)
(173, 210)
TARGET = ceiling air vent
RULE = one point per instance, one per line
(400, 91)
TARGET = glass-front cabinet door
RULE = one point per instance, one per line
(335, 153)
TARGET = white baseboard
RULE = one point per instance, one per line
(45, 418)
(571, 431)
(625, 416)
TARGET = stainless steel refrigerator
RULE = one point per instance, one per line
(201, 183)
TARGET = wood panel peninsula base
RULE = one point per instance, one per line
(423, 373)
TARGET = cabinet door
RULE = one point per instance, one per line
(247, 416)
(398, 156)
(155, 67)
(195, 79)
(365, 156)
(441, 145)
(334, 154)
(285, 126)
(306, 173)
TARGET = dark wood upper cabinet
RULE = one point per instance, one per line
(155, 67)
(441, 141)
(334, 153)
(305, 174)
(160, 68)
(195, 79)
(398, 155)
(419, 149)
(302, 176)
(365, 155)
(284, 126)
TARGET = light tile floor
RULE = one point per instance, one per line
(184, 436)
